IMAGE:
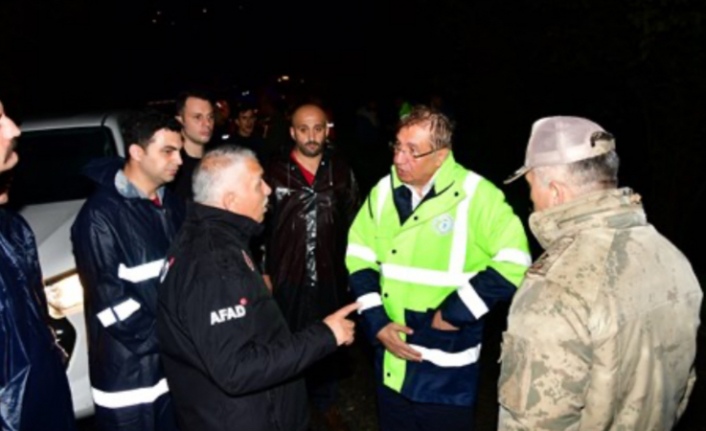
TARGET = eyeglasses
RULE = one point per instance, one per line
(395, 148)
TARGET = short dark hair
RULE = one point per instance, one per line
(241, 107)
(196, 93)
(139, 127)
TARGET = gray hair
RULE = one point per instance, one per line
(210, 176)
(584, 176)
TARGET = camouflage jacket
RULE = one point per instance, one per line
(602, 332)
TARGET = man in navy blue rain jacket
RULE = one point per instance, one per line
(34, 390)
(120, 238)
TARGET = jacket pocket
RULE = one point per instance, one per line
(515, 374)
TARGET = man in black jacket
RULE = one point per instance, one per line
(230, 359)
(314, 202)
(195, 112)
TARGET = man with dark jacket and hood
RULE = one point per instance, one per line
(120, 238)
(34, 390)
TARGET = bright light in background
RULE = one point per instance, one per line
(204, 10)
(283, 78)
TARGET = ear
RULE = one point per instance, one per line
(292, 134)
(229, 200)
(440, 156)
(180, 119)
(136, 152)
(560, 193)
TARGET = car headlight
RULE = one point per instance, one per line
(64, 293)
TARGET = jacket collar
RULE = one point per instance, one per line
(108, 172)
(244, 226)
(614, 209)
(128, 190)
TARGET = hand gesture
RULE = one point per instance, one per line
(389, 336)
(343, 329)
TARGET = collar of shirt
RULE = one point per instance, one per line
(416, 198)
(128, 189)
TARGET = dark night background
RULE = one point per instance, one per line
(637, 67)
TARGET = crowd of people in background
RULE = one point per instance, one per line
(229, 258)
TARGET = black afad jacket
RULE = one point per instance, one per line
(230, 359)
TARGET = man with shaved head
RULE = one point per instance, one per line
(314, 199)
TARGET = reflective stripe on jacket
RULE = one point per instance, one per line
(461, 251)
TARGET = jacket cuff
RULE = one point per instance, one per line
(374, 319)
(329, 342)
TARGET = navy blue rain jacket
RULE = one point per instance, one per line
(34, 390)
(120, 239)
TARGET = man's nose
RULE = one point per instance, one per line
(177, 158)
(268, 189)
(399, 157)
(9, 128)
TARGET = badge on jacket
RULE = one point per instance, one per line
(443, 224)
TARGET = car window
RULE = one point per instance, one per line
(51, 164)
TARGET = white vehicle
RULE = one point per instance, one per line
(48, 189)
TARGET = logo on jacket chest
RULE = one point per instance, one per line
(229, 313)
(443, 224)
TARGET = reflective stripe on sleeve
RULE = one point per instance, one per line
(430, 277)
(361, 252)
(369, 300)
(472, 300)
(513, 255)
(126, 309)
(142, 272)
(446, 359)
(107, 317)
(132, 397)
(122, 311)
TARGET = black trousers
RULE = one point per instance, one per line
(397, 413)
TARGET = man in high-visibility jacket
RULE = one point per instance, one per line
(434, 247)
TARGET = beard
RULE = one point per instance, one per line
(311, 148)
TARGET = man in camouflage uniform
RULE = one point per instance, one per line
(602, 332)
